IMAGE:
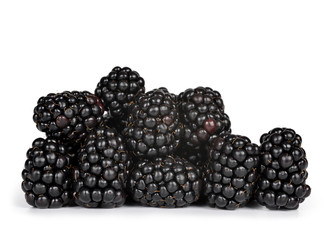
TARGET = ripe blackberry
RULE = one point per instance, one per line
(283, 175)
(101, 176)
(165, 182)
(232, 172)
(46, 176)
(202, 115)
(153, 127)
(118, 89)
(68, 115)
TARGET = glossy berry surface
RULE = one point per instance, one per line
(103, 167)
(283, 175)
(231, 173)
(153, 128)
(165, 182)
(46, 176)
(202, 114)
(69, 115)
(118, 89)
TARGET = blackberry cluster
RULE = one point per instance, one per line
(282, 182)
(103, 167)
(231, 175)
(118, 89)
(165, 182)
(153, 127)
(46, 176)
(68, 116)
(202, 114)
(156, 148)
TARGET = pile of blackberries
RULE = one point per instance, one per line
(157, 149)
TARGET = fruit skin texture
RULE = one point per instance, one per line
(103, 167)
(118, 89)
(165, 182)
(202, 115)
(153, 127)
(68, 116)
(46, 176)
(231, 174)
(282, 183)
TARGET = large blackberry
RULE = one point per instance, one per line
(118, 89)
(283, 175)
(165, 182)
(202, 114)
(101, 176)
(230, 180)
(68, 115)
(153, 127)
(46, 176)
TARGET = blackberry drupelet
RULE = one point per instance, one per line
(202, 115)
(283, 174)
(165, 182)
(68, 115)
(118, 89)
(230, 179)
(46, 176)
(172, 95)
(153, 127)
(104, 164)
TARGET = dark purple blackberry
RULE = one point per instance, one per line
(153, 128)
(202, 115)
(68, 115)
(46, 176)
(118, 89)
(165, 182)
(231, 174)
(104, 163)
(283, 175)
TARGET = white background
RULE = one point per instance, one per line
(268, 59)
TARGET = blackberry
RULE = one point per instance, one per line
(202, 115)
(165, 182)
(283, 175)
(46, 176)
(153, 128)
(118, 89)
(68, 115)
(104, 163)
(230, 180)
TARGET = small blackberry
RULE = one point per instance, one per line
(46, 176)
(100, 179)
(283, 175)
(153, 128)
(118, 89)
(230, 180)
(68, 115)
(165, 182)
(202, 115)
